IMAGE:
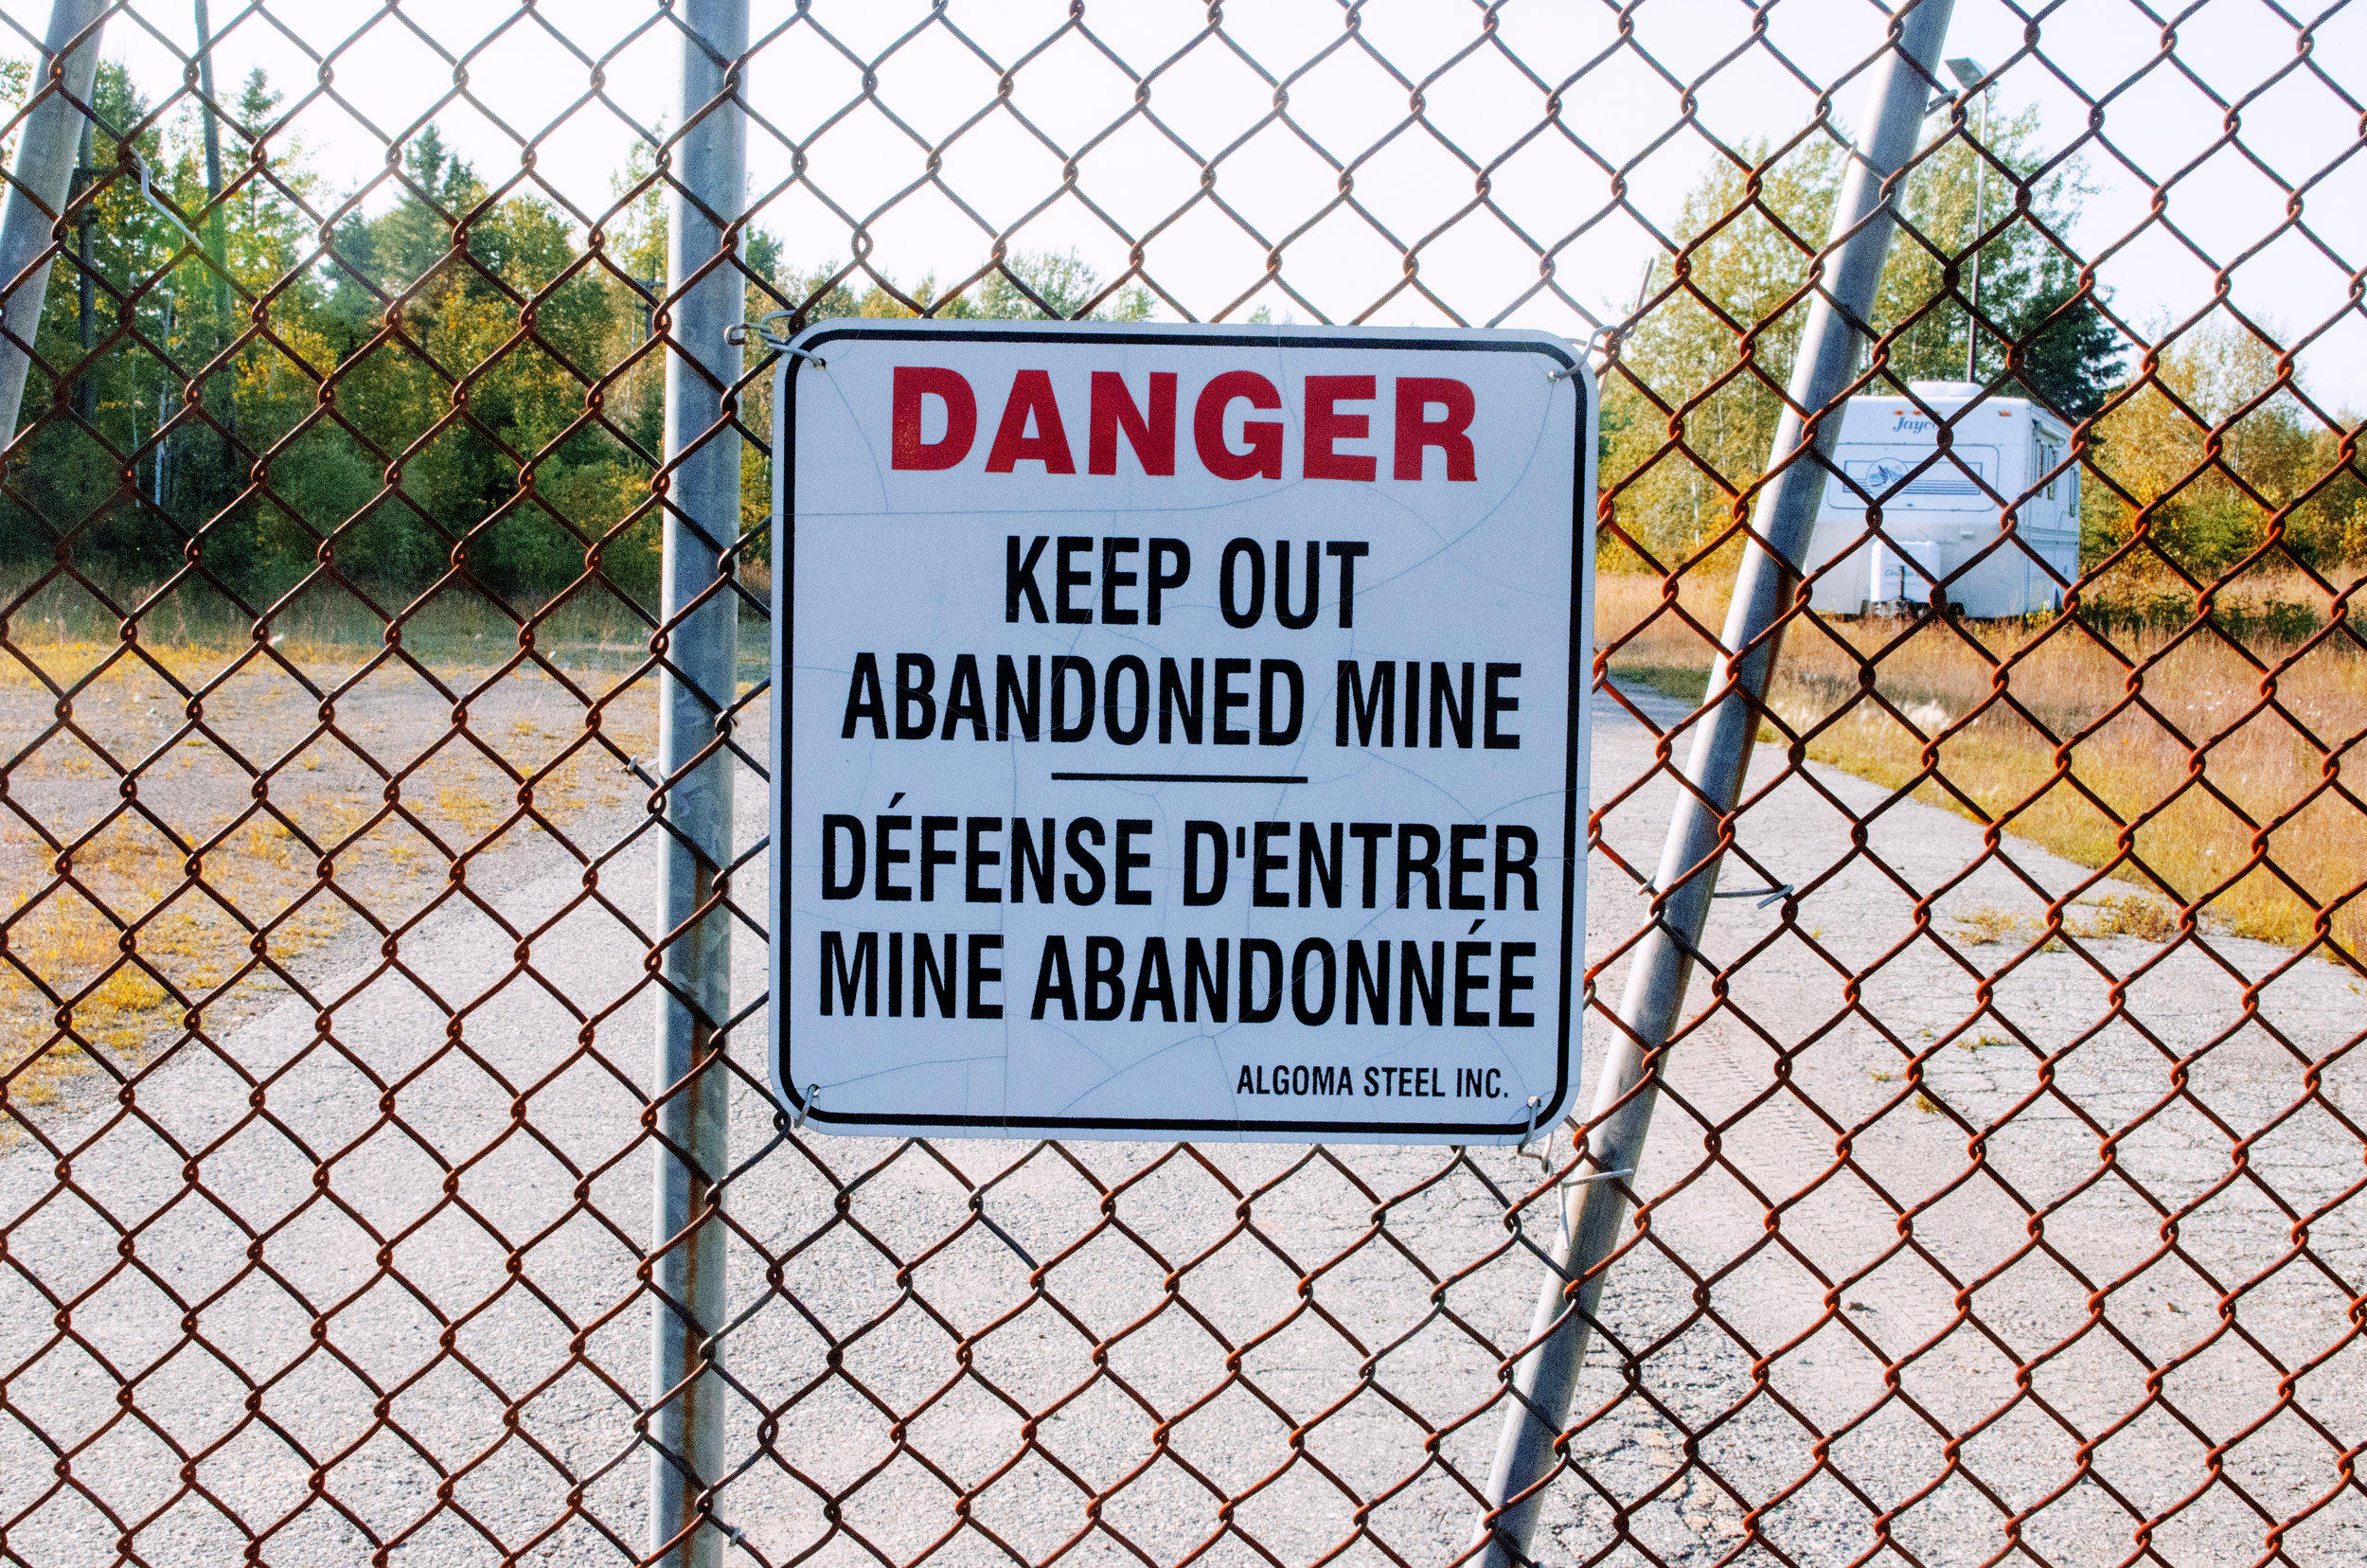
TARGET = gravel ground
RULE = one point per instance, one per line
(271, 1295)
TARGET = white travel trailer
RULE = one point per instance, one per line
(1941, 519)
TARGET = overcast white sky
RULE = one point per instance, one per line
(525, 84)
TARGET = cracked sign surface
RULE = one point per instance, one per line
(1179, 731)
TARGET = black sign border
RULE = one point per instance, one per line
(804, 351)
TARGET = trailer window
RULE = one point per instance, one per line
(2045, 455)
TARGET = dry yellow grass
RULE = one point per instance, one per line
(2137, 915)
(121, 946)
(2151, 747)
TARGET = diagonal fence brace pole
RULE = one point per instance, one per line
(1594, 1213)
(46, 146)
(706, 294)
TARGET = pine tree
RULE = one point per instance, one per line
(2069, 360)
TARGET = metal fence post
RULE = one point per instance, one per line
(38, 184)
(1594, 1213)
(699, 643)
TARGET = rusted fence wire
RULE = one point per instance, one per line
(380, 774)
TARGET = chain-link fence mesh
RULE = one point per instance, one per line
(2004, 1198)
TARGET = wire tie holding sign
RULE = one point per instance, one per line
(1545, 1160)
(1772, 894)
(814, 1092)
(738, 338)
(1545, 1165)
(1561, 1195)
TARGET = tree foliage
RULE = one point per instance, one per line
(2218, 386)
(387, 412)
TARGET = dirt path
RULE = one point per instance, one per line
(256, 1321)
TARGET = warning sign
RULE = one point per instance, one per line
(1179, 732)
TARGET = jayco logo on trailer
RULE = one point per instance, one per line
(1179, 731)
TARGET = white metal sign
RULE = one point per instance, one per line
(1179, 731)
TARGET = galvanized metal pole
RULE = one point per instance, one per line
(38, 184)
(1594, 1213)
(700, 644)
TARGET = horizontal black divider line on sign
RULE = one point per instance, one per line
(1177, 778)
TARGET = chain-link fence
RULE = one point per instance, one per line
(380, 778)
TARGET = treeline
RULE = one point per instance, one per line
(401, 414)
(404, 417)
